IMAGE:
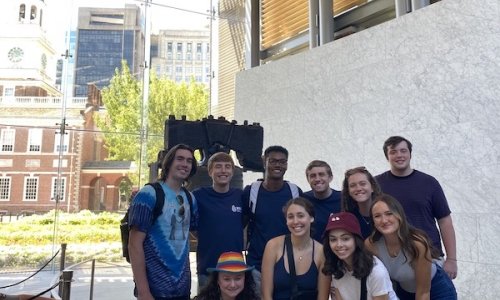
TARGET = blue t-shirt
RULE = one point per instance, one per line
(267, 222)
(422, 198)
(220, 223)
(364, 223)
(322, 210)
(166, 246)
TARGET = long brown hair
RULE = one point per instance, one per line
(407, 234)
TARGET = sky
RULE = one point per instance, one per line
(165, 14)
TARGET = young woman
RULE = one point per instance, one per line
(358, 190)
(407, 254)
(354, 270)
(231, 279)
(307, 256)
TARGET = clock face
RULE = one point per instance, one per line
(16, 54)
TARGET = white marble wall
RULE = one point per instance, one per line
(432, 76)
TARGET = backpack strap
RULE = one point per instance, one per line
(254, 192)
(294, 189)
(160, 200)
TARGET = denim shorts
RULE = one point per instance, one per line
(442, 288)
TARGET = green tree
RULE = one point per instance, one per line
(121, 122)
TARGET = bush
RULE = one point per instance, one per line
(28, 241)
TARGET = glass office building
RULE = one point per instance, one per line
(106, 36)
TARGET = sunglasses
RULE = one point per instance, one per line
(355, 170)
(180, 200)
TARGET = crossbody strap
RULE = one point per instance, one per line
(291, 264)
(363, 288)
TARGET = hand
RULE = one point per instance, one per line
(450, 267)
(332, 293)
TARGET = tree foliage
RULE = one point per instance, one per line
(121, 121)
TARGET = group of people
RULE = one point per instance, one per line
(375, 239)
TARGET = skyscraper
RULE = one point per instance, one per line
(105, 37)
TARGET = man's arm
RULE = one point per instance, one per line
(450, 245)
(138, 262)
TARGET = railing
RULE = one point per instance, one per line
(42, 102)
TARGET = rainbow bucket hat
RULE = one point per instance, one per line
(231, 262)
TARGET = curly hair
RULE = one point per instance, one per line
(407, 234)
(362, 260)
(211, 290)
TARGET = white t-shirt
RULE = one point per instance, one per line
(378, 283)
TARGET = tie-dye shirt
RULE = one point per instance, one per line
(166, 246)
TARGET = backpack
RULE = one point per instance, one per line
(157, 211)
(252, 203)
(254, 192)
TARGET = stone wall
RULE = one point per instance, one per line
(432, 76)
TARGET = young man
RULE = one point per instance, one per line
(325, 199)
(220, 209)
(266, 200)
(422, 198)
(159, 251)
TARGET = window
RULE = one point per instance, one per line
(35, 140)
(178, 69)
(189, 47)
(55, 188)
(22, 12)
(7, 140)
(169, 47)
(189, 56)
(198, 47)
(65, 143)
(30, 188)
(33, 12)
(179, 51)
(9, 91)
(4, 188)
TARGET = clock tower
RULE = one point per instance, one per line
(27, 57)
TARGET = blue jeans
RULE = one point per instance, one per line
(441, 288)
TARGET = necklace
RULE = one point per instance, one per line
(366, 219)
(304, 249)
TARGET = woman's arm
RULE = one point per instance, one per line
(423, 266)
(268, 261)
(382, 297)
(324, 281)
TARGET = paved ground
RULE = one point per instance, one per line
(111, 281)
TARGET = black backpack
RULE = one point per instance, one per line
(160, 201)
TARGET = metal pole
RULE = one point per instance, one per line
(313, 23)
(67, 277)
(92, 273)
(325, 21)
(145, 92)
(62, 263)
